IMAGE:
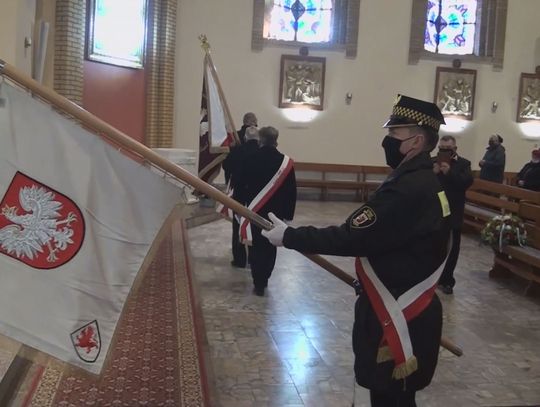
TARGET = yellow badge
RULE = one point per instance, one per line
(363, 218)
(445, 206)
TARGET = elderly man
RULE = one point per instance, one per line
(249, 120)
(269, 182)
(400, 239)
(529, 176)
(454, 173)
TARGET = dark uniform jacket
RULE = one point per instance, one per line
(493, 168)
(404, 235)
(455, 183)
(530, 175)
(257, 170)
(233, 166)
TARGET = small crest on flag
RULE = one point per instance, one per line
(87, 341)
(38, 225)
(363, 218)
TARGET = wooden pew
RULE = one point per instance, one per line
(485, 199)
(325, 177)
(523, 261)
(509, 177)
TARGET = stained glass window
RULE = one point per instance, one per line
(117, 32)
(451, 26)
(301, 20)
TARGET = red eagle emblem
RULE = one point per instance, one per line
(87, 342)
(38, 225)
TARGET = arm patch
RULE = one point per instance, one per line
(445, 206)
(363, 218)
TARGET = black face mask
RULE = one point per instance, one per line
(391, 146)
(448, 151)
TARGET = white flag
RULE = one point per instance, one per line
(77, 219)
(220, 125)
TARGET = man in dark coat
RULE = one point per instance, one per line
(234, 164)
(403, 231)
(529, 176)
(270, 186)
(454, 173)
(249, 120)
(492, 165)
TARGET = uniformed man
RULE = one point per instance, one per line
(400, 239)
(270, 186)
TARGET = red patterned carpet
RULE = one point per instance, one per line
(157, 359)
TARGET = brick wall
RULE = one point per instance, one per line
(69, 48)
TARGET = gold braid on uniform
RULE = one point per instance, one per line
(419, 117)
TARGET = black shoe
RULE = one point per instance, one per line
(235, 264)
(258, 291)
(446, 289)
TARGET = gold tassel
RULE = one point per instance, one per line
(405, 369)
(384, 354)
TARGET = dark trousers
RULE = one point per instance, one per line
(391, 399)
(238, 249)
(447, 276)
(262, 257)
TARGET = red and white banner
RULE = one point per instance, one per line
(216, 128)
(77, 218)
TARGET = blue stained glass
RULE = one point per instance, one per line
(301, 20)
(450, 26)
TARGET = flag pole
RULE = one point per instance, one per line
(131, 144)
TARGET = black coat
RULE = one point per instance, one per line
(494, 162)
(233, 166)
(530, 175)
(455, 183)
(404, 235)
(227, 165)
(257, 170)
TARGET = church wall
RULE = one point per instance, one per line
(344, 133)
(16, 23)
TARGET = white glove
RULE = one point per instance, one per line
(275, 235)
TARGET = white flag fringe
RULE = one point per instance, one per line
(77, 219)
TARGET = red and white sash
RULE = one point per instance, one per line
(393, 315)
(263, 196)
(223, 210)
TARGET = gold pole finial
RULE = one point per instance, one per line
(204, 43)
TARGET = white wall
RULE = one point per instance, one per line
(347, 133)
(16, 23)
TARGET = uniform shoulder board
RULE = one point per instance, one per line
(363, 218)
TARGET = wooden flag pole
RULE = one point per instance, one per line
(127, 142)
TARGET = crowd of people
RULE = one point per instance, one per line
(406, 237)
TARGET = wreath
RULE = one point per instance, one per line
(504, 230)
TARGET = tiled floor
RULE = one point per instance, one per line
(292, 347)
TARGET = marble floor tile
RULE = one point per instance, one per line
(293, 346)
